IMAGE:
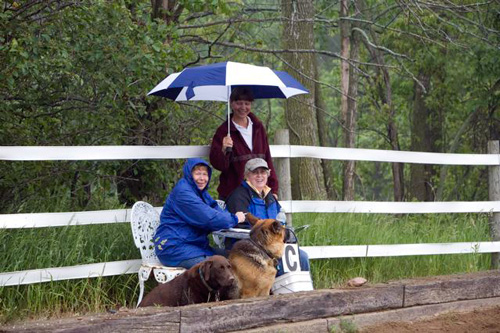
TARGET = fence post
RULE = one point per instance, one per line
(282, 168)
(494, 195)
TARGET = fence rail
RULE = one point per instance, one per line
(54, 153)
(42, 220)
(39, 220)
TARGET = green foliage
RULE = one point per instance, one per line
(80, 77)
(219, 7)
(78, 74)
(452, 48)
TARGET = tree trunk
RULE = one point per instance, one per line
(345, 29)
(426, 127)
(351, 116)
(418, 189)
(384, 94)
(453, 148)
(167, 10)
(324, 139)
(397, 168)
(298, 33)
(392, 134)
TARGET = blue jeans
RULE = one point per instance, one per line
(188, 263)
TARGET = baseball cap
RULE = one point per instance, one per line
(256, 163)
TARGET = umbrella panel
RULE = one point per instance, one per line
(218, 93)
(211, 82)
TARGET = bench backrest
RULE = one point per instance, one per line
(144, 220)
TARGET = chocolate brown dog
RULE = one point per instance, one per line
(201, 283)
(254, 260)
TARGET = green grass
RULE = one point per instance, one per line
(26, 249)
(66, 246)
(361, 229)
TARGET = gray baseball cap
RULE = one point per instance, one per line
(256, 163)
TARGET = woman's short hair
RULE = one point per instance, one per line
(199, 167)
(241, 94)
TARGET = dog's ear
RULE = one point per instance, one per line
(205, 268)
(276, 227)
(251, 219)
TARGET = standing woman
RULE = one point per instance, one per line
(188, 216)
(248, 140)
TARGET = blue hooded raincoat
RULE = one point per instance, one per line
(188, 216)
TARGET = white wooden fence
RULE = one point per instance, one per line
(40, 220)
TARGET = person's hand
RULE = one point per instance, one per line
(275, 196)
(226, 142)
(240, 216)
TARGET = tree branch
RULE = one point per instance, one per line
(378, 47)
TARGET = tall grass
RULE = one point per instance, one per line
(25, 249)
(361, 229)
(66, 246)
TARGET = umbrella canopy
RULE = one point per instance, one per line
(214, 83)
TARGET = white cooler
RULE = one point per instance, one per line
(292, 282)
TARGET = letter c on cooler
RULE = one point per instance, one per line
(290, 255)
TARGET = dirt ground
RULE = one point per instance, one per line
(484, 321)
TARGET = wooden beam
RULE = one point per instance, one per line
(292, 307)
(280, 309)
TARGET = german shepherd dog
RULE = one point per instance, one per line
(254, 260)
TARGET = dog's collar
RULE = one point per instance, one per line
(266, 252)
(210, 289)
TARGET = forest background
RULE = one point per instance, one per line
(392, 75)
(410, 75)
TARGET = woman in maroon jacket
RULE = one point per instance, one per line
(248, 140)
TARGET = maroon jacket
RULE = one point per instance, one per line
(232, 165)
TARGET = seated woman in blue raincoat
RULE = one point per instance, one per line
(188, 216)
(255, 197)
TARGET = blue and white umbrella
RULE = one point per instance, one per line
(214, 83)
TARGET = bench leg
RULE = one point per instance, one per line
(144, 273)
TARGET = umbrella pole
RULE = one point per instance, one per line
(229, 149)
(228, 120)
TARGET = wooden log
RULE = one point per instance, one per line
(365, 320)
(494, 195)
(453, 288)
(148, 320)
(290, 308)
(362, 320)
(310, 326)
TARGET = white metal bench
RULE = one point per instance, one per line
(144, 220)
